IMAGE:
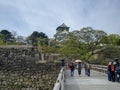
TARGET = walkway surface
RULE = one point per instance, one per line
(97, 81)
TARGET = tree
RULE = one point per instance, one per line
(104, 40)
(99, 34)
(114, 39)
(7, 35)
(90, 39)
(1, 38)
(108, 53)
(89, 35)
(70, 48)
(35, 35)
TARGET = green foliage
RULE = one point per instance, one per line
(91, 35)
(1, 42)
(34, 37)
(111, 52)
(114, 39)
(6, 36)
(70, 48)
(1, 36)
(104, 40)
(107, 54)
(54, 46)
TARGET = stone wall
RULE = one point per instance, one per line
(19, 70)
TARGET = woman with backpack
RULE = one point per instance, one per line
(79, 68)
(112, 72)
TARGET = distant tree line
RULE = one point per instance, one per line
(7, 37)
(78, 44)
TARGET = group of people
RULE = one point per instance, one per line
(79, 67)
(72, 68)
(114, 71)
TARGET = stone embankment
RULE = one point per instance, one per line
(19, 70)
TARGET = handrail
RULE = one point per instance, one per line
(100, 68)
(59, 85)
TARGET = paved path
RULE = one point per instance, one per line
(97, 81)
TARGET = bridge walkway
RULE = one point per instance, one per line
(97, 81)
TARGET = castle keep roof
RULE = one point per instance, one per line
(63, 26)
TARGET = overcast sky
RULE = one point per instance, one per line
(26, 16)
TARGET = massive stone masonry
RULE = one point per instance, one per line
(19, 70)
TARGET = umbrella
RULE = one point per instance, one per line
(78, 61)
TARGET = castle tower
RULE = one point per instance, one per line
(61, 32)
(62, 28)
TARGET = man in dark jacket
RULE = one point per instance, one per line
(72, 69)
(79, 68)
(117, 70)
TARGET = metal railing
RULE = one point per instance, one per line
(59, 85)
(100, 68)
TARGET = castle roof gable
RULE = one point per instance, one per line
(62, 26)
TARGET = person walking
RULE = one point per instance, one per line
(72, 69)
(88, 69)
(79, 68)
(117, 69)
(109, 71)
(85, 66)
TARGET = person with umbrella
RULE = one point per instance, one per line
(78, 66)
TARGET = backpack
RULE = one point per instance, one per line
(112, 68)
(88, 66)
